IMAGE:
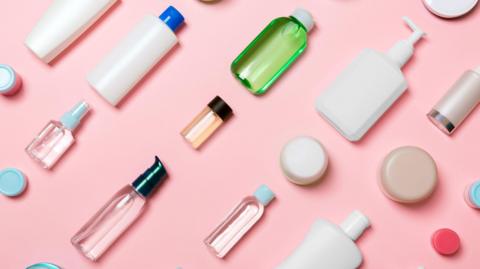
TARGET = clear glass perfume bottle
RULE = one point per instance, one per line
(111, 221)
(272, 51)
(239, 221)
(55, 139)
(205, 123)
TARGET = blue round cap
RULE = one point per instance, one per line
(12, 182)
(172, 18)
(43, 265)
(474, 193)
(7, 78)
(264, 195)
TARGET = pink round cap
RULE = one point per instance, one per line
(445, 241)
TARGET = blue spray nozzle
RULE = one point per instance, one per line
(72, 118)
(172, 18)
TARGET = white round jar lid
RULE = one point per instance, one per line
(450, 8)
(303, 160)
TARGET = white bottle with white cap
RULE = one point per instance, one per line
(328, 245)
(367, 87)
(63, 22)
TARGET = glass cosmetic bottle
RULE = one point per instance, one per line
(239, 221)
(273, 51)
(205, 123)
(57, 137)
(108, 224)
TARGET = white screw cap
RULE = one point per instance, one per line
(355, 224)
(304, 17)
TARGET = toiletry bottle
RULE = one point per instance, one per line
(472, 195)
(273, 51)
(111, 221)
(457, 103)
(207, 122)
(239, 222)
(62, 23)
(57, 137)
(330, 246)
(367, 87)
(151, 39)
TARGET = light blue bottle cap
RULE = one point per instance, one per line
(12, 182)
(43, 265)
(72, 118)
(264, 195)
(474, 193)
(7, 78)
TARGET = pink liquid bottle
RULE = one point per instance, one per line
(113, 219)
(57, 137)
(239, 221)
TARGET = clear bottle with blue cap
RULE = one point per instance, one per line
(240, 220)
(57, 137)
(145, 45)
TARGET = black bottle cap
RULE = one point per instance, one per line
(147, 182)
(222, 109)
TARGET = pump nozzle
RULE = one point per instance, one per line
(403, 50)
(417, 32)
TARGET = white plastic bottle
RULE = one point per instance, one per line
(135, 55)
(367, 87)
(330, 246)
(62, 23)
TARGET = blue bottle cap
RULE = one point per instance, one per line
(264, 195)
(172, 18)
(72, 118)
(12, 182)
(474, 193)
(7, 78)
(43, 265)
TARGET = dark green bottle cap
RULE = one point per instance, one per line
(147, 182)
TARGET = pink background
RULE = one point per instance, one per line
(115, 145)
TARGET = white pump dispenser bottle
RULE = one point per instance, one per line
(330, 246)
(367, 87)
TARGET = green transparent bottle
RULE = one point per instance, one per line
(272, 51)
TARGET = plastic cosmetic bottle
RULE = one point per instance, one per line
(62, 24)
(457, 103)
(273, 51)
(150, 40)
(57, 137)
(113, 219)
(367, 87)
(330, 246)
(239, 221)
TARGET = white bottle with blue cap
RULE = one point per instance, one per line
(240, 220)
(57, 137)
(150, 40)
